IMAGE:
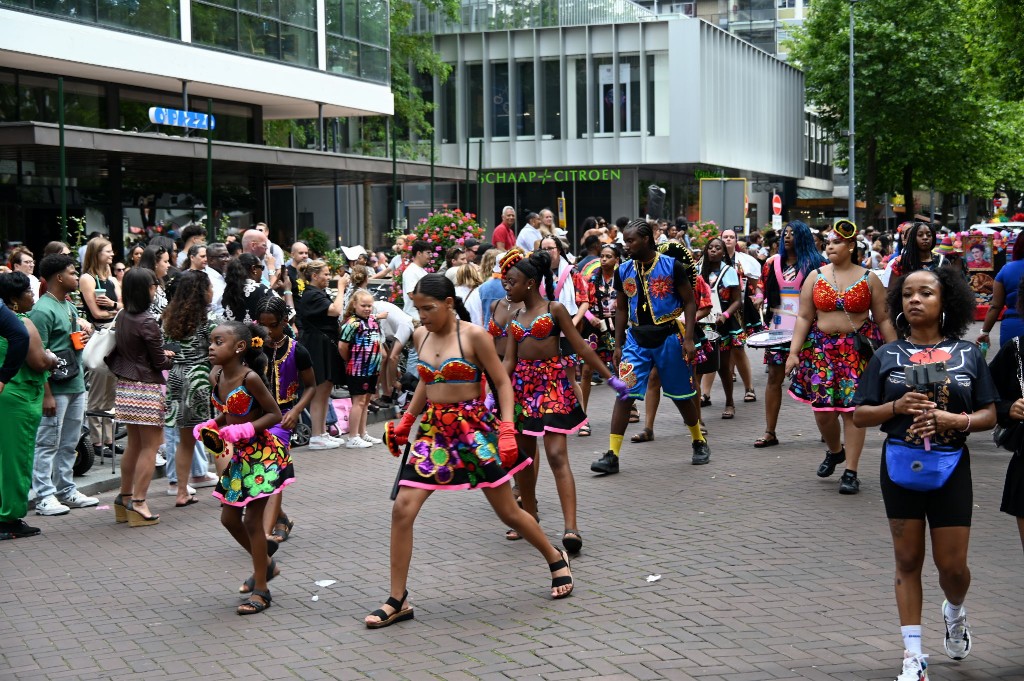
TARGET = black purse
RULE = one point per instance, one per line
(67, 366)
(1011, 437)
(865, 346)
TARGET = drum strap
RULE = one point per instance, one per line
(783, 284)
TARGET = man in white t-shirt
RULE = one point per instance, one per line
(397, 328)
(530, 234)
(190, 236)
(418, 259)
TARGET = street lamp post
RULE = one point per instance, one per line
(851, 175)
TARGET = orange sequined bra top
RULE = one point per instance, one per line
(452, 370)
(495, 330)
(238, 403)
(856, 298)
(542, 326)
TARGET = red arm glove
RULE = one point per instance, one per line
(197, 431)
(403, 428)
(237, 432)
(508, 450)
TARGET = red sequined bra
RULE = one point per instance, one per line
(543, 326)
(856, 298)
(238, 402)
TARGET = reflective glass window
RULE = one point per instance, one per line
(499, 101)
(475, 99)
(552, 99)
(526, 102)
(342, 56)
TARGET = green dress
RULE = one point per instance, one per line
(21, 403)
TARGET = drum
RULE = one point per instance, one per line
(714, 356)
(769, 339)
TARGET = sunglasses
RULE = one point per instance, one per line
(119, 269)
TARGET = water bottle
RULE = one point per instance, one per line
(983, 346)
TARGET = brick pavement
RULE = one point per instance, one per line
(766, 573)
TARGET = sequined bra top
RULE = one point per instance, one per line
(238, 403)
(452, 370)
(495, 330)
(856, 298)
(542, 326)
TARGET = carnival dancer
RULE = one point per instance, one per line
(293, 384)
(460, 444)
(258, 463)
(832, 344)
(719, 271)
(782, 275)
(653, 291)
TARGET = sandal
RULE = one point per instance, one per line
(729, 412)
(572, 540)
(645, 435)
(766, 440)
(120, 510)
(705, 400)
(282, 529)
(251, 607)
(135, 518)
(584, 431)
(703, 427)
(249, 584)
(191, 500)
(750, 396)
(564, 579)
(513, 535)
(400, 613)
(634, 415)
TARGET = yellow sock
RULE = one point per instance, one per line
(695, 432)
(615, 443)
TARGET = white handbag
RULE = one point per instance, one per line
(101, 344)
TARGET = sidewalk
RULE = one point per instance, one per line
(766, 572)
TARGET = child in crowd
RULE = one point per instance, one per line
(360, 347)
(259, 464)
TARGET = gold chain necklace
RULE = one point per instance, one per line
(643, 279)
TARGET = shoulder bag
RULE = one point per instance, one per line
(101, 344)
(1011, 437)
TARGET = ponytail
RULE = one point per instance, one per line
(460, 309)
(538, 268)
(255, 337)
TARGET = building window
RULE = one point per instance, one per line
(449, 109)
(280, 30)
(580, 96)
(552, 80)
(475, 99)
(499, 104)
(152, 17)
(357, 38)
(526, 107)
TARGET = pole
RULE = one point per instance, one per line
(63, 162)
(479, 167)
(432, 171)
(211, 228)
(852, 199)
(466, 198)
(394, 178)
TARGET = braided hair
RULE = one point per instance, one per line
(643, 229)
(273, 305)
(538, 268)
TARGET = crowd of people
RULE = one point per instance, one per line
(220, 349)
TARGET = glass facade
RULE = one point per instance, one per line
(152, 17)
(281, 30)
(357, 38)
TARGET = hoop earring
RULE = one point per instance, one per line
(898, 322)
(15, 307)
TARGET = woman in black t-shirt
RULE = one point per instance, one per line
(932, 310)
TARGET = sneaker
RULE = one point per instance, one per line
(701, 453)
(208, 480)
(371, 439)
(958, 634)
(78, 500)
(915, 667)
(161, 460)
(832, 459)
(607, 464)
(16, 529)
(50, 506)
(849, 483)
(357, 442)
(339, 440)
(322, 442)
(172, 489)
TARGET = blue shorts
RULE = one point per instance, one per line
(636, 364)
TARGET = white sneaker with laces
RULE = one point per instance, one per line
(339, 440)
(915, 667)
(358, 443)
(172, 490)
(160, 459)
(323, 442)
(371, 439)
(958, 634)
(78, 500)
(50, 506)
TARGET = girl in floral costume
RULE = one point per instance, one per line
(257, 464)
(460, 443)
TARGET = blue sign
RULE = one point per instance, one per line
(182, 119)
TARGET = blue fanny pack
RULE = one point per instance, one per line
(914, 468)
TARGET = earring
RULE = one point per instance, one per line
(898, 322)
(15, 307)
(942, 323)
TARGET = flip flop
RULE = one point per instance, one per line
(191, 500)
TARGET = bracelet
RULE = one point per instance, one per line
(726, 314)
(967, 428)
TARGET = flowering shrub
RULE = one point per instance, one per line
(442, 229)
(702, 232)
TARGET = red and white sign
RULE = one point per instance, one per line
(777, 204)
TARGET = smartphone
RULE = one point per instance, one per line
(921, 377)
(172, 346)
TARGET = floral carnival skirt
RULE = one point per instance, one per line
(830, 367)
(456, 447)
(545, 400)
(258, 468)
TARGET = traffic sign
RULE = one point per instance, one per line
(777, 223)
(777, 204)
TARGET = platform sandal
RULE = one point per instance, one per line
(136, 519)
(400, 613)
(251, 607)
(120, 510)
(561, 564)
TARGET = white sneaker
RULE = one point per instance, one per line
(357, 443)
(209, 480)
(160, 459)
(172, 490)
(915, 667)
(958, 634)
(50, 506)
(322, 442)
(339, 440)
(78, 500)
(371, 439)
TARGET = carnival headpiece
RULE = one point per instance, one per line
(509, 260)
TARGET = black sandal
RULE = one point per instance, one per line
(513, 535)
(634, 415)
(282, 529)
(705, 400)
(135, 518)
(556, 582)
(251, 607)
(645, 435)
(249, 584)
(766, 440)
(400, 614)
(572, 540)
(750, 396)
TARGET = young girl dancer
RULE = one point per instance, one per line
(360, 347)
(546, 404)
(260, 464)
(459, 442)
(290, 370)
